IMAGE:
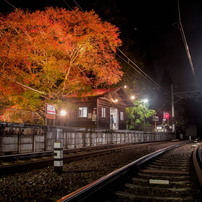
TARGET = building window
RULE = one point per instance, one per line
(121, 116)
(83, 112)
(103, 112)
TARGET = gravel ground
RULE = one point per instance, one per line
(45, 185)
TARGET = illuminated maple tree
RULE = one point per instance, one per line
(46, 54)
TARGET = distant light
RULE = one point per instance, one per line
(115, 101)
(145, 101)
(125, 86)
(159, 127)
(63, 112)
(167, 115)
(132, 97)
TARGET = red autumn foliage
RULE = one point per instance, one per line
(56, 52)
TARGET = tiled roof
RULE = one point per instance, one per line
(93, 93)
(119, 91)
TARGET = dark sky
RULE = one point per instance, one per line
(154, 21)
(154, 24)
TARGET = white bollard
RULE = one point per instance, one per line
(58, 157)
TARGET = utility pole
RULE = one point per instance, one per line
(172, 109)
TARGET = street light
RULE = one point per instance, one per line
(132, 97)
(63, 112)
(115, 101)
(145, 101)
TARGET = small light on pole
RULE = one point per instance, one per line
(132, 97)
(63, 112)
(167, 115)
(145, 101)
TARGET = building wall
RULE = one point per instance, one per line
(96, 104)
(104, 123)
(23, 138)
(84, 122)
(122, 123)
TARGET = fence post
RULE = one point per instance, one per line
(19, 143)
(84, 138)
(45, 137)
(33, 143)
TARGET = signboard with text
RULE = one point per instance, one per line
(155, 118)
(50, 111)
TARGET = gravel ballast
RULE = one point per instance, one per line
(45, 185)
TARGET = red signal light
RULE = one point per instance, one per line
(167, 115)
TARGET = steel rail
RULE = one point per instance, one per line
(11, 157)
(197, 160)
(14, 157)
(79, 153)
(91, 188)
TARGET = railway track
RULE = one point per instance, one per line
(22, 162)
(164, 175)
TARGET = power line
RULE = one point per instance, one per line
(128, 61)
(67, 4)
(136, 68)
(10, 4)
(78, 5)
(139, 70)
(186, 44)
(27, 87)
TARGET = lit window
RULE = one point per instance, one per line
(121, 116)
(82, 111)
(103, 112)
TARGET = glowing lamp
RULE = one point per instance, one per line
(63, 112)
(115, 101)
(145, 101)
(132, 97)
(167, 115)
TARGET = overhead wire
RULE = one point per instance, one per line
(10, 4)
(25, 86)
(67, 4)
(134, 66)
(186, 44)
(128, 61)
(139, 70)
(78, 5)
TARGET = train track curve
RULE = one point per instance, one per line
(165, 175)
(27, 161)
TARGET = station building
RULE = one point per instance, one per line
(100, 108)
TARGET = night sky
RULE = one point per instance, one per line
(151, 27)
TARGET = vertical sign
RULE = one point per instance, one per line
(50, 111)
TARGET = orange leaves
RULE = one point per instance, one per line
(57, 51)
